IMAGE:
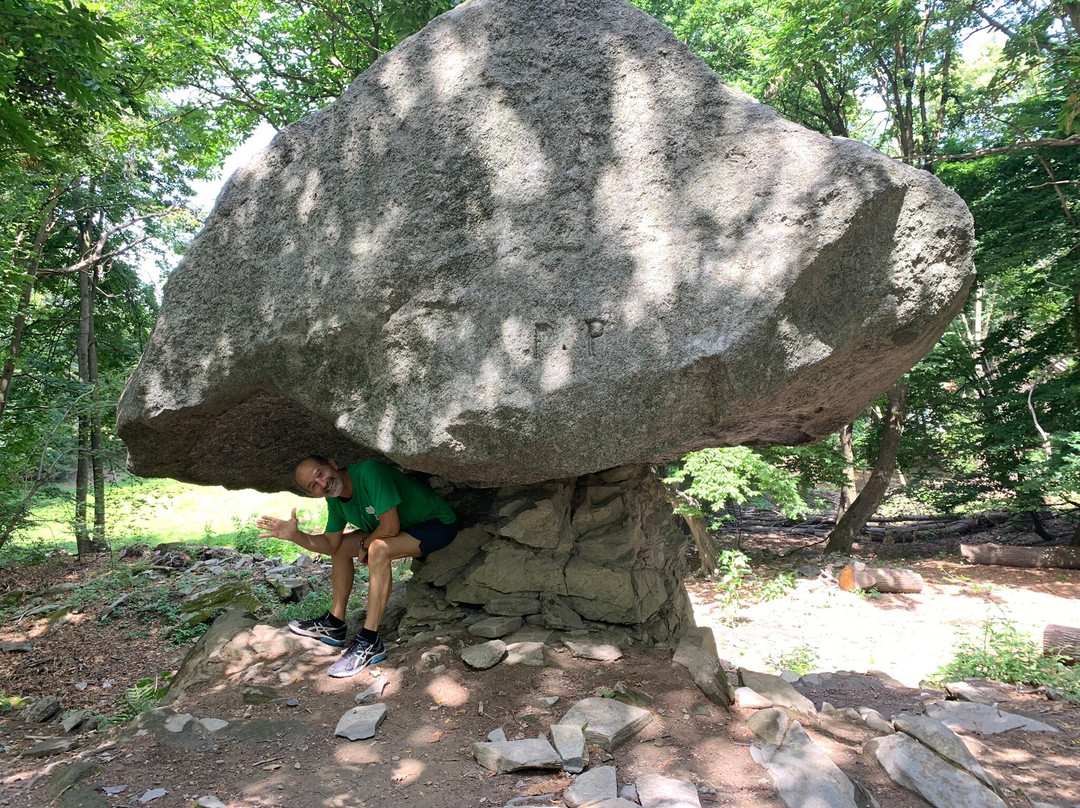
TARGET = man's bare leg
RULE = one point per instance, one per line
(343, 567)
(342, 572)
(381, 553)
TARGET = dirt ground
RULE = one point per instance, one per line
(287, 754)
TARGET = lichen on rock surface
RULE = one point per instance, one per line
(539, 239)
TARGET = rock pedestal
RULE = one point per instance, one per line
(603, 548)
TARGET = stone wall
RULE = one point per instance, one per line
(603, 548)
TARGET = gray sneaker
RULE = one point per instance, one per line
(360, 654)
(321, 629)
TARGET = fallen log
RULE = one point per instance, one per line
(903, 580)
(1063, 641)
(1057, 556)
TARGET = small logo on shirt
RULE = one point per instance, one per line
(370, 510)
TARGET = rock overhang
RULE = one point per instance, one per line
(534, 241)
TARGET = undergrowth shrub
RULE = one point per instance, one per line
(1002, 653)
(142, 696)
(801, 660)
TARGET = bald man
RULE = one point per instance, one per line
(395, 517)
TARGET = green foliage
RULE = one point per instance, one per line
(1002, 653)
(316, 603)
(246, 540)
(142, 696)
(312, 605)
(108, 585)
(801, 660)
(777, 587)
(152, 511)
(9, 704)
(723, 477)
(58, 73)
(184, 635)
(733, 567)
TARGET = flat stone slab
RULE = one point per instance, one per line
(984, 719)
(943, 741)
(776, 690)
(569, 742)
(595, 785)
(804, 775)
(527, 633)
(606, 722)
(502, 757)
(41, 710)
(592, 649)
(260, 694)
(361, 722)
(485, 655)
(373, 691)
(657, 791)
(494, 627)
(696, 655)
(637, 698)
(51, 746)
(530, 654)
(917, 769)
(72, 719)
(770, 724)
(750, 699)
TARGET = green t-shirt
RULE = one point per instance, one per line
(376, 489)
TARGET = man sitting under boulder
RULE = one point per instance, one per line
(396, 517)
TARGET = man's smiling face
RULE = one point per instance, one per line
(320, 479)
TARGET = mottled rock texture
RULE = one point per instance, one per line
(610, 552)
(538, 239)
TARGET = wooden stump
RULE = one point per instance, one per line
(1059, 557)
(1063, 641)
(907, 581)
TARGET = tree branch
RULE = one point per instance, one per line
(1071, 140)
(97, 254)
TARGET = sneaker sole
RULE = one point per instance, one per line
(374, 661)
(319, 637)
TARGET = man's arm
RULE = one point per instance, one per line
(289, 530)
(388, 527)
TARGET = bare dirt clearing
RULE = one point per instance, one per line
(284, 754)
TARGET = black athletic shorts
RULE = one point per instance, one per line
(433, 535)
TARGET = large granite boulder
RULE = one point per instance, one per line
(538, 239)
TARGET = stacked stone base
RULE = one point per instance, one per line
(599, 549)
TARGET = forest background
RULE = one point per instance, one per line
(111, 112)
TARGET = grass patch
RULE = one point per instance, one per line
(160, 510)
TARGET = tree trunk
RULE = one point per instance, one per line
(18, 326)
(848, 492)
(85, 542)
(690, 510)
(1042, 557)
(96, 461)
(1062, 641)
(853, 522)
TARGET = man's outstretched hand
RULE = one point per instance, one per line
(286, 529)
